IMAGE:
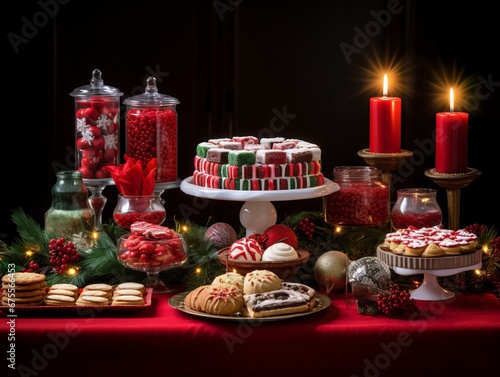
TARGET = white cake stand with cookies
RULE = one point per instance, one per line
(258, 212)
(432, 268)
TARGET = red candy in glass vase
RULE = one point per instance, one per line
(416, 207)
(133, 208)
(151, 130)
(97, 127)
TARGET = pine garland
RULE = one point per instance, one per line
(102, 265)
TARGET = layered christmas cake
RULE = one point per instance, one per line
(249, 163)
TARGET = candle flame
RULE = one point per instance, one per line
(386, 85)
(452, 101)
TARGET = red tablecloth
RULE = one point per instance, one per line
(461, 335)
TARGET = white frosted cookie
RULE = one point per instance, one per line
(127, 292)
(56, 299)
(68, 287)
(131, 285)
(98, 287)
(127, 300)
(91, 300)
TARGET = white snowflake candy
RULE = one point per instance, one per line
(87, 135)
(111, 141)
(81, 125)
(370, 271)
(103, 122)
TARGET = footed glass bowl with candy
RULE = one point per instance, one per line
(152, 248)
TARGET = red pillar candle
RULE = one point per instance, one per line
(385, 123)
(451, 140)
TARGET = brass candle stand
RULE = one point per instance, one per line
(453, 183)
(386, 162)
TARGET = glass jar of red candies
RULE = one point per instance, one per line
(363, 197)
(416, 207)
(151, 130)
(132, 208)
(97, 128)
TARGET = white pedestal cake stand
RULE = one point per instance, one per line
(431, 267)
(257, 212)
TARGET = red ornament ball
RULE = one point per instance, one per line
(279, 233)
(221, 235)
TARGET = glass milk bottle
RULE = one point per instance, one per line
(70, 215)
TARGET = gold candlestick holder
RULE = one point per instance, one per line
(386, 162)
(453, 183)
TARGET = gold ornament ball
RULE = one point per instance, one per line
(330, 271)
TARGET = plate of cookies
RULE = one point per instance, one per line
(259, 295)
(28, 291)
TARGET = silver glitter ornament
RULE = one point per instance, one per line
(370, 271)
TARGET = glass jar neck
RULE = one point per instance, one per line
(356, 173)
(417, 193)
(69, 191)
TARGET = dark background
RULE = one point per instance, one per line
(233, 65)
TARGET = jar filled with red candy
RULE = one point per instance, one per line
(416, 207)
(151, 130)
(132, 208)
(363, 198)
(97, 128)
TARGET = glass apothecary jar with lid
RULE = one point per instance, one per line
(97, 128)
(151, 130)
(362, 200)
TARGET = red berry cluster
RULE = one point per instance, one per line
(153, 133)
(306, 227)
(97, 141)
(62, 254)
(495, 244)
(32, 266)
(475, 228)
(396, 302)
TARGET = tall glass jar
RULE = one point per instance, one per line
(151, 130)
(70, 215)
(416, 207)
(363, 198)
(97, 127)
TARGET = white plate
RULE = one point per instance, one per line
(328, 187)
(177, 302)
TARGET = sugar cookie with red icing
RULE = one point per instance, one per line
(260, 281)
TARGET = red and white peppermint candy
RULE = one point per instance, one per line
(246, 249)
